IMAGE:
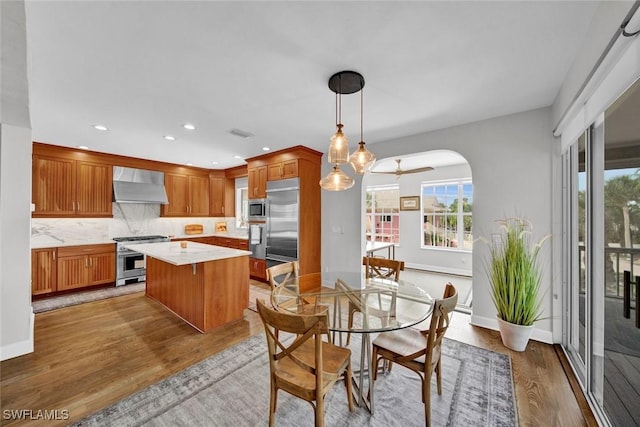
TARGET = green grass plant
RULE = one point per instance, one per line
(514, 273)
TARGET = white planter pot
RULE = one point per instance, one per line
(514, 336)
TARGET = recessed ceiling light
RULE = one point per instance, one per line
(266, 148)
(237, 157)
(188, 126)
(170, 138)
(214, 163)
(100, 127)
(83, 147)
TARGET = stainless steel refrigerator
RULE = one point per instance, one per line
(283, 207)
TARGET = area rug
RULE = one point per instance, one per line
(53, 303)
(68, 300)
(231, 388)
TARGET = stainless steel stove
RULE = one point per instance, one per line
(131, 265)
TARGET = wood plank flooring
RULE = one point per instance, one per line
(92, 355)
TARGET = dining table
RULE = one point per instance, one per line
(377, 305)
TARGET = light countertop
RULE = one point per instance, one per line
(50, 241)
(172, 253)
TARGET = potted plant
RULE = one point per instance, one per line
(514, 275)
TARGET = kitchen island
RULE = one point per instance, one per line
(205, 285)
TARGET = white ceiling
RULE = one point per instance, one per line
(145, 68)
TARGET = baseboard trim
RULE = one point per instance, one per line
(439, 269)
(19, 348)
(537, 334)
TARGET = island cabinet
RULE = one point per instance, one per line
(43, 271)
(87, 265)
(257, 182)
(65, 187)
(207, 286)
(188, 195)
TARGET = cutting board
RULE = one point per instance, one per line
(193, 229)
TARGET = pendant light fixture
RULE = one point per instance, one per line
(336, 180)
(362, 159)
(341, 83)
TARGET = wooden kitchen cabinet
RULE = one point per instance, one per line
(188, 195)
(257, 182)
(258, 269)
(43, 271)
(64, 187)
(282, 170)
(81, 266)
(216, 195)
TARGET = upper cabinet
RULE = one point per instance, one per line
(188, 195)
(64, 186)
(282, 170)
(257, 181)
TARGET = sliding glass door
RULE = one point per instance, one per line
(602, 219)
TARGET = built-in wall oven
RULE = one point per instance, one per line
(131, 265)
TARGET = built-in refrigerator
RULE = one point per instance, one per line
(283, 206)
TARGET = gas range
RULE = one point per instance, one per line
(131, 265)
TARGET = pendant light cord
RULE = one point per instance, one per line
(361, 114)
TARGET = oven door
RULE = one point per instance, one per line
(130, 265)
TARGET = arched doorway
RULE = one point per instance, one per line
(427, 215)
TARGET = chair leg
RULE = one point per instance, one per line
(426, 395)
(439, 375)
(347, 381)
(319, 409)
(272, 405)
(374, 360)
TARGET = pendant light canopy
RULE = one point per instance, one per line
(344, 83)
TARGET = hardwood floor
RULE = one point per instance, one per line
(92, 355)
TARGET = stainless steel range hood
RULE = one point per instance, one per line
(138, 186)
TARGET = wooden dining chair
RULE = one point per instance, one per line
(307, 367)
(282, 273)
(380, 268)
(419, 350)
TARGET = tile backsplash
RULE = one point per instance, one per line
(128, 220)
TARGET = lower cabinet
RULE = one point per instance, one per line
(80, 266)
(43, 271)
(258, 269)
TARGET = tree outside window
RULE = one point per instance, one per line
(447, 218)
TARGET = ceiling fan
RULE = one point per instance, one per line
(399, 170)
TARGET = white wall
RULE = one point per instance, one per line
(441, 260)
(511, 160)
(16, 315)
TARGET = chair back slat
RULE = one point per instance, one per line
(281, 273)
(382, 268)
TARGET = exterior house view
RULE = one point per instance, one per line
(170, 157)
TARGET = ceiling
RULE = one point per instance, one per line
(143, 69)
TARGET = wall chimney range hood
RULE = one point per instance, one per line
(138, 186)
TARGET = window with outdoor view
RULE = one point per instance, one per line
(446, 215)
(383, 218)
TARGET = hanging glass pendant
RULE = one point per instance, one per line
(336, 180)
(339, 147)
(362, 159)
